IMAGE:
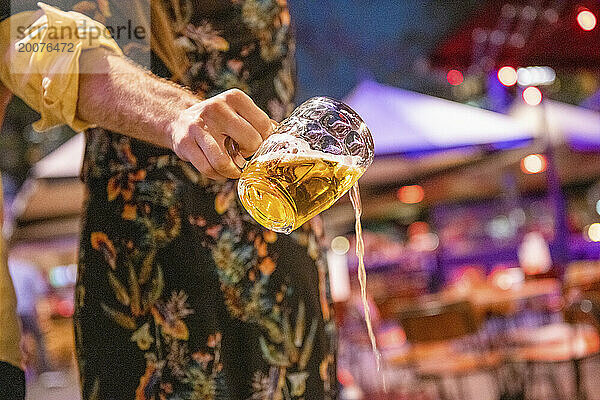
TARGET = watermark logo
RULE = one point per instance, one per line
(55, 32)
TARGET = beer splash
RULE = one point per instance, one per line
(362, 274)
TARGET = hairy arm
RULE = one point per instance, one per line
(120, 96)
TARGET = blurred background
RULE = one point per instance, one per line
(481, 210)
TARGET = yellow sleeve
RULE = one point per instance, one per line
(49, 80)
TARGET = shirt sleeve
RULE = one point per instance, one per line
(40, 61)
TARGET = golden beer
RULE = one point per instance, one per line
(282, 192)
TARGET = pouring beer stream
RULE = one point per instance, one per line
(314, 157)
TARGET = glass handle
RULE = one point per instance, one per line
(233, 150)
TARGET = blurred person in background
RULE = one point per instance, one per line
(12, 377)
(30, 286)
(180, 293)
(355, 353)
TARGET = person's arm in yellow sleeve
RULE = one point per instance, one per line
(113, 93)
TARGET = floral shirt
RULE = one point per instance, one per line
(181, 295)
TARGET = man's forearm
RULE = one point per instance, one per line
(118, 95)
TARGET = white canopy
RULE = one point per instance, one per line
(49, 203)
(402, 121)
(566, 124)
(64, 162)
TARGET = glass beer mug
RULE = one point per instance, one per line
(312, 159)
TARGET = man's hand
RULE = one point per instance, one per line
(199, 133)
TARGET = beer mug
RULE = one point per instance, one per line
(311, 160)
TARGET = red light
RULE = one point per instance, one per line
(532, 96)
(507, 76)
(418, 228)
(411, 194)
(586, 20)
(534, 164)
(345, 377)
(454, 77)
(65, 308)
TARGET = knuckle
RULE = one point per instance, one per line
(182, 153)
(233, 94)
(186, 143)
(266, 121)
(214, 107)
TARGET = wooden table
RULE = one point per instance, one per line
(584, 276)
(490, 298)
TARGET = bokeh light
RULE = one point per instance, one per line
(340, 245)
(535, 76)
(65, 308)
(454, 77)
(533, 164)
(412, 194)
(532, 96)
(507, 76)
(598, 206)
(534, 254)
(594, 232)
(500, 228)
(63, 276)
(586, 20)
(421, 238)
(507, 278)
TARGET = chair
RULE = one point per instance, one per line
(437, 330)
(572, 342)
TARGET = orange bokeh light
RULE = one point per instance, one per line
(507, 76)
(412, 194)
(533, 164)
(532, 96)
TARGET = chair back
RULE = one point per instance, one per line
(435, 321)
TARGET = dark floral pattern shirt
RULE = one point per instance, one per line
(181, 295)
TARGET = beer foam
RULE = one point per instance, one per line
(298, 148)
